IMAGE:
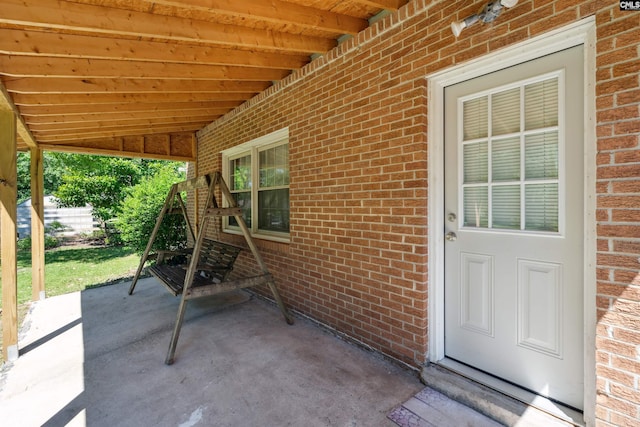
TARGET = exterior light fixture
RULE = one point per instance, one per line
(488, 14)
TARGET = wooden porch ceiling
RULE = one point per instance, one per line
(139, 77)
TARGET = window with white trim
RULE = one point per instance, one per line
(257, 173)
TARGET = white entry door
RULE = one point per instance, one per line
(514, 225)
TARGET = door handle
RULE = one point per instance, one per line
(450, 236)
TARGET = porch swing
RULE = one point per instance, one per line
(203, 270)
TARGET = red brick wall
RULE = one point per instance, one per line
(618, 215)
(357, 120)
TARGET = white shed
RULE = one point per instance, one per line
(78, 220)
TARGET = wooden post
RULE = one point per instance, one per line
(8, 234)
(37, 225)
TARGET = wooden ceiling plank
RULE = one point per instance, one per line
(47, 112)
(28, 42)
(277, 12)
(107, 20)
(38, 66)
(124, 98)
(6, 103)
(45, 85)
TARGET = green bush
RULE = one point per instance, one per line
(140, 210)
(50, 242)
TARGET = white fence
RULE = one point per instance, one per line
(77, 220)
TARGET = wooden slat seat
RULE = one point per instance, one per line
(214, 265)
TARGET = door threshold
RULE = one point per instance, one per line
(485, 398)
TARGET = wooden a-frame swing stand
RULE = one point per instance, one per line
(203, 270)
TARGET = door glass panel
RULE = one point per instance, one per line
(476, 207)
(541, 104)
(476, 162)
(511, 175)
(505, 112)
(505, 201)
(541, 207)
(541, 156)
(505, 160)
(475, 118)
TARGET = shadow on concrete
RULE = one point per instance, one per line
(97, 358)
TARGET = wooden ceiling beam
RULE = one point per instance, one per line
(84, 136)
(6, 103)
(124, 98)
(98, 149)
(384, 4)
(106, 124)
(51, 67)
(46, 112)
(180, 147)
(28, 42)
(63, 15)
(277, 12)
(40, 120)
(44, 85)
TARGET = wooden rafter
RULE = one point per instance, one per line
(80, 73)
(384, 4)
(277, 12)
(42, 43)
(125, 98)
(87, 118)
(95, 110)
(86, 18)
(51, 85)
(121, 131)
(52, 67)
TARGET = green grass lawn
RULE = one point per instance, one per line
(71, 268)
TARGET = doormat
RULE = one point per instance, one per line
(430, 408)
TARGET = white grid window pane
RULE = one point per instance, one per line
(541, 207)
(541, 104)
(476, 207)
(505, 112)
(274, 167)
(240, 173)
(476, 162)
(475, 118)
(541, 156)
(505, 160)
(505, 205)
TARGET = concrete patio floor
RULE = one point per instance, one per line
(97, 358)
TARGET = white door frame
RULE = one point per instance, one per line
(579, 33)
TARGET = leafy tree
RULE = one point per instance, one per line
(103, 182)
(53, 169)
(140, 209)
(99, 181)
